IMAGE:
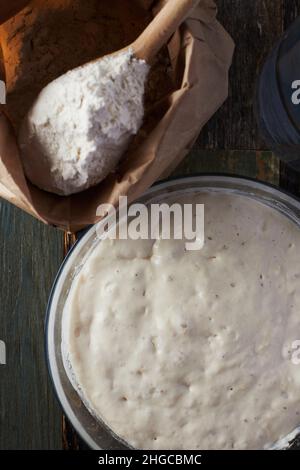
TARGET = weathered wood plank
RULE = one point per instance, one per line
(262, 165)
(291, 9)
(254, 26)
(30, 255)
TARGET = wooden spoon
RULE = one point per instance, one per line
(41, 156)
(159, 31)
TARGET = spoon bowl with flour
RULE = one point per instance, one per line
(81, 124)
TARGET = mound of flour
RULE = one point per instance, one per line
(80, 124)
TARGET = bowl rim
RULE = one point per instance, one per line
(84, 235)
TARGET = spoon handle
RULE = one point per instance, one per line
(159, 31)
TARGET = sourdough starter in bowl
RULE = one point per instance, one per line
(177, 349)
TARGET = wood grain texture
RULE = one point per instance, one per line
(254, 25)
(30, 255)
(262, 165)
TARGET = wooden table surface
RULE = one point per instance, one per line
(30, 253)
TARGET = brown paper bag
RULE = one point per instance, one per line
(200, 54)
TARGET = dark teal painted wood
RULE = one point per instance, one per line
(254, 26)
(262, 165)
(30, 255)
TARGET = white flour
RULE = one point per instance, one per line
(81, 123)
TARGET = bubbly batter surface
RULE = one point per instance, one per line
(180, 349)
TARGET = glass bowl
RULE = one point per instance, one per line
(94, 432)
